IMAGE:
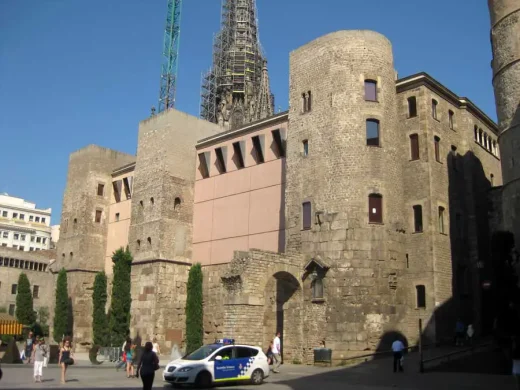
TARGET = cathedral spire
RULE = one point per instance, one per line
(236, 89)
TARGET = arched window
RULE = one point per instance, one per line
(138, 244)
(177, 203)
(371, 90)
(152, 200)
(437, 149)
(441, 219)
(149, 239)
(372, 128)
(375, 208)
(434, 108)
(480, 136)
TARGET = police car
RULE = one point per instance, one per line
(222, 361)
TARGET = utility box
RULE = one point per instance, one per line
(323, 355)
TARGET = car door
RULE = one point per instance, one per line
(224, 367)
(244, 359)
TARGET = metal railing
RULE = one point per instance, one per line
(111, 354)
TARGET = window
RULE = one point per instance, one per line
(279, 142)
(43, 219)
(412, 107)
(495, 150)
(417, 218)
(117, 185)
(22, 237)
(31, 249)
(152, 200)
(14, 289)
(37, 219)
(22, 217)
(11, 310)
(480, 136)
(372, 132)
(4, 214)
(244, 352)
(38, 240)
(306, 215)
(204, 164)
(16, 236)
(309, 101)
(375, 208)
(420, 292)
(450, 118)
(492, 179)
(117, 217)
(36, 291)
(258, 148)
(305, 144)
(21, 247)
(138, 244)
(414, 146)
(5, 234)
(371, 90)
(15, 215)
(317, 288)
(437, 141)
(15, 246)
(100, 189)
(177, 203)
(475, 133)
(31, 218)
(127, 185)
(44, 240)
(149, 239)
(221, 159)
(434, 109)
(4, 244)
(306, 101)
(441, 219)
(32, 238)
(98, 216)
(238, 148)
(225, 353)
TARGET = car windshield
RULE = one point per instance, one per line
(201, 353)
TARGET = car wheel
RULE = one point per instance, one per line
(257, 377)
(203, 380)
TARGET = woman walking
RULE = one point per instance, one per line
(148, 364)
(65, 358)
(156, 347)
(39, 354)
(130, 354)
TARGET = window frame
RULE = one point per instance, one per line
(378, 215)
(441, 213)
(420, 292)
(435, 104)
(437, 148)
(415, 151)
(100, 186)
(451, 121)
(418, 220)
(371, 83)
(409, 100)
(306, 217)
(378, 128)
(99, 213)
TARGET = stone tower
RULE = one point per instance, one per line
(344, 186)
(84, 224)
(505, 41)
(236, 89)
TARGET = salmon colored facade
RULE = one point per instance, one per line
(239, 195)
(119, 212)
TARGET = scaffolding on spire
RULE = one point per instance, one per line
(236, 91)
(170, 62)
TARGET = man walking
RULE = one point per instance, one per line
(277, 359)
(397, 349)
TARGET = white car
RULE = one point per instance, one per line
(216, 363)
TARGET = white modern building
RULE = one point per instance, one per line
(23, 226)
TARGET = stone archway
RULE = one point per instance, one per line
(283, 312)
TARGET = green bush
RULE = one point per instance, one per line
(194, 310)
(99, 315)
(119, 316)
(61, 310)
(24, 302)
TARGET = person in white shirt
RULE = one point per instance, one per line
(277, 359)
(156, 347)
(397, 349)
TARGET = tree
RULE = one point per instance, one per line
(99, 315)
(24, 301)
(119, 322)
(194, 313)
(61, 311)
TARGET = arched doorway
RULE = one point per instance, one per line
(283, 313)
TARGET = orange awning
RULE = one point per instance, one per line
(9, 325)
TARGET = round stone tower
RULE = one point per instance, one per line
(344, 186)
(505, 41)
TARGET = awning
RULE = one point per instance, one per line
(9, 325)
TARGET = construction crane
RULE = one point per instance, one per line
(170, 62)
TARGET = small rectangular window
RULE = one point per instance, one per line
(98, 216)
(100, 189)
(437, 141)
(279, 142)
(37, 219)
(434, 109)
(22, 217)
(5, 234)
(117, 217)
(371, 90)
(21, 248)
(221, 159)
(417, 218)
(305, 145)
(306, 214)
(31, 249)
(14, 289)
(204, 164)
(43, 220)
(451, 114)
(44, 240)
(258, 148)
(15, 215)
(31, 218)
(117, 186)
(414, 146)
(309, 101)
(22, 237)
(421, 296)
(4, 214)
(38, 240)
(372, 126)
(238, 158)
(11, 310)
(375, 208)
(412, 107)
(441, 219)
(36, 291)
(16, 236)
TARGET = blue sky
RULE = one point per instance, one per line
(77, 72)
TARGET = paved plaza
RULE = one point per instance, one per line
(372, 375)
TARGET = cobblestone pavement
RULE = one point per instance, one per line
(375, 375)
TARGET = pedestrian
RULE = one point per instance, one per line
(28, 347)
(469, 333)
(148, 364)
(130, 353)
(156, 347)
(122, 362)
(65, 358)
(39, 355)
(275, 349)
(269, 354)
(397, 350)
(459, 333)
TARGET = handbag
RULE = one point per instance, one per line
(69, 361)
